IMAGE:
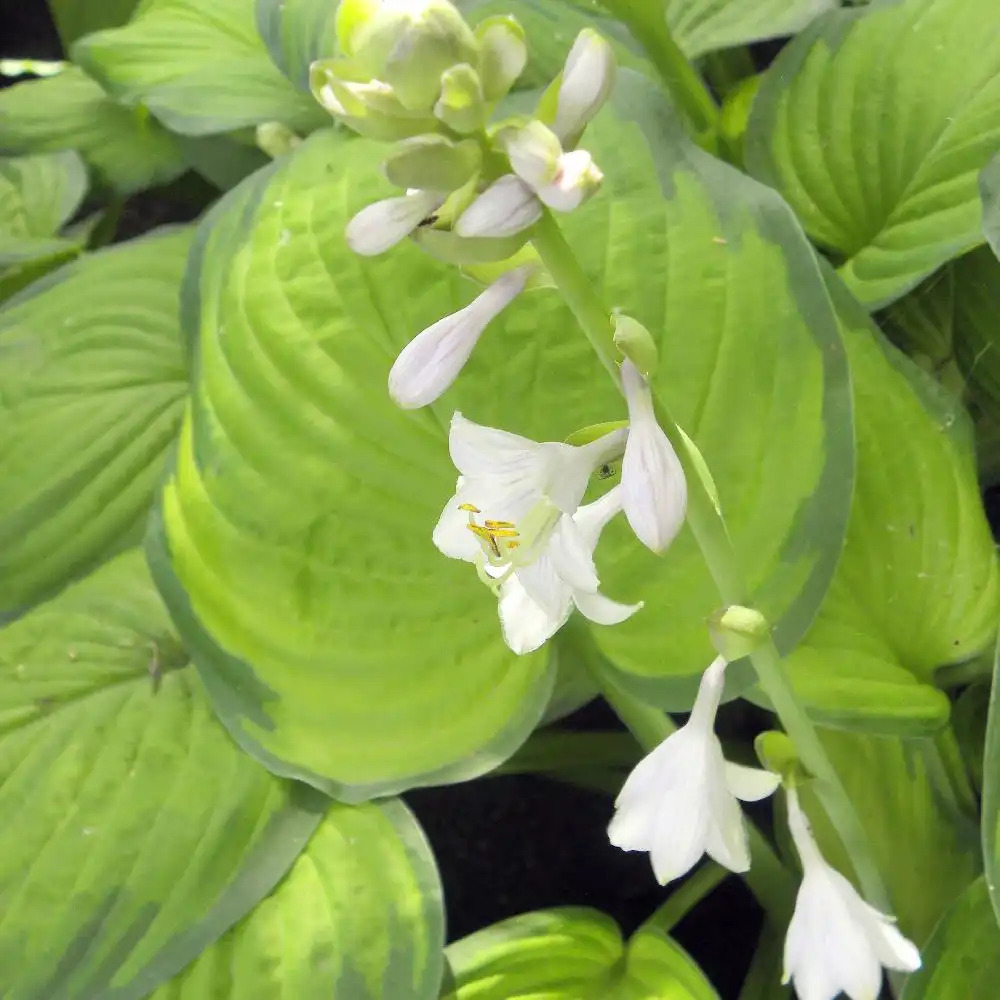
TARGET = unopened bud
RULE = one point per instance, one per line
(636, 343)
(503, 54)
(587, 79)
(461, 105)
(778, 754)
(276, 139)
(534, 152)
(382, 225)
(432, 162)
(506, 207)
(737, 631)
(577, 178)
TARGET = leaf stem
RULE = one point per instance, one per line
(709, 530)
(686, 896)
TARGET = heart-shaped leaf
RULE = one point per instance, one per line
(92, 382)
(128, 150)
(199, 68)
(359, 917)
(142, 833)
(879, 157)
(570, 954)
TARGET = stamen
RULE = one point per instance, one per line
(469, 507)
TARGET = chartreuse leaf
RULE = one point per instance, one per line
(570, 953)
(701, 26)
(879, 157)
(336, 643)
(128, 149)
(296, 32)
(38, 195)
(80, 17)
(916, 587)
(142, 833)
(962, 959)
(991, 792)
(92, 381)
(200, 68)
(907, 791)
(359, 917)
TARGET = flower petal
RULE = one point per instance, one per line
(451, 534)
(526, 625)
(726, 841)
(681, 833)
(577, 178)
(654, 491)
(751, 784)
(544, 586)
(506, 207)
(383, 224)
(602, 610)
(587, 80)
(571, 557)
(430, 362)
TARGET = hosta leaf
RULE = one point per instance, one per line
(92, 379)
(128, 149)
(359, 917)
(700, 26)
(991, 793)
(963, 957)
(879, 157)
(916, 587)
(199, 68)
(139, 833)
(80, 17)
(296, 32)
(324, 594)
(38, 195)
(571, 954)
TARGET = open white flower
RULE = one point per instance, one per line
(430, 362)
(681, 799)
(654, 490)
(516, 516)
(837, 943)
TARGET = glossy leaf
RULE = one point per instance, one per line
(142, 832)
(296, 32)
(359, 917)
(879, 157)
(200, 69)
(571, 954)
(127, 148)
(963, 957)
(80, 17)
(92, 379)
(38, 195)
(701, 26)
(916, 587)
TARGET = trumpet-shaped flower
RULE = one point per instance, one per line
(429, 364)
(383, 224)
(516, 516)
(836, 942)
(681, 800)
(654, 490)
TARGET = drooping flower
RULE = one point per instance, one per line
(516, 516)
(837, 943)
(429, 364)
(680, 801)
(381, 225)
(654, 490)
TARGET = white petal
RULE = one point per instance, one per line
(451, 534)
(706, 702)
(588, 77)
(681, 835)
(727, 840)
(572, 557)
(382, 225)
(429, 364)
(526, 625)
(576, 179)
(506, 207)
(654, 491)
(751, 784)
(592, 518)
(503, 56)
(893, 949)
(602, 610)
(534, 152)
(570, 469)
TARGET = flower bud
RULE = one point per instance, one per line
(534, 152)
(382, 225)
(503, 54)
(432, 162)
(275, 139)
(636, 343)
(506, 207)
(737, 631)
(577, 178)
(461, 105)
(587, 79)
(409, 44)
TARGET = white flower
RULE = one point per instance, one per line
(654, 491)
(587, 80)
(576, 179)
(506, 207)
(516, 516)
(836, 942)
(432, 360)
(383, 224)
(681, 800)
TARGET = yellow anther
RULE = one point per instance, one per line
(498, 524)
(498, 538)
(469, 507)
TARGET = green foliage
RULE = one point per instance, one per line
(991, 794)
(891, 192)
(570, 954)
(128, 149)
(93, 380)
(75, 18)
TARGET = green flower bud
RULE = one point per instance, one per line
(737, 631)
(408, 44)
(636, 343)
(461, 105)
(276, 139)
(503, 54)
(433, 162)
(534, 152)
(778, 754)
